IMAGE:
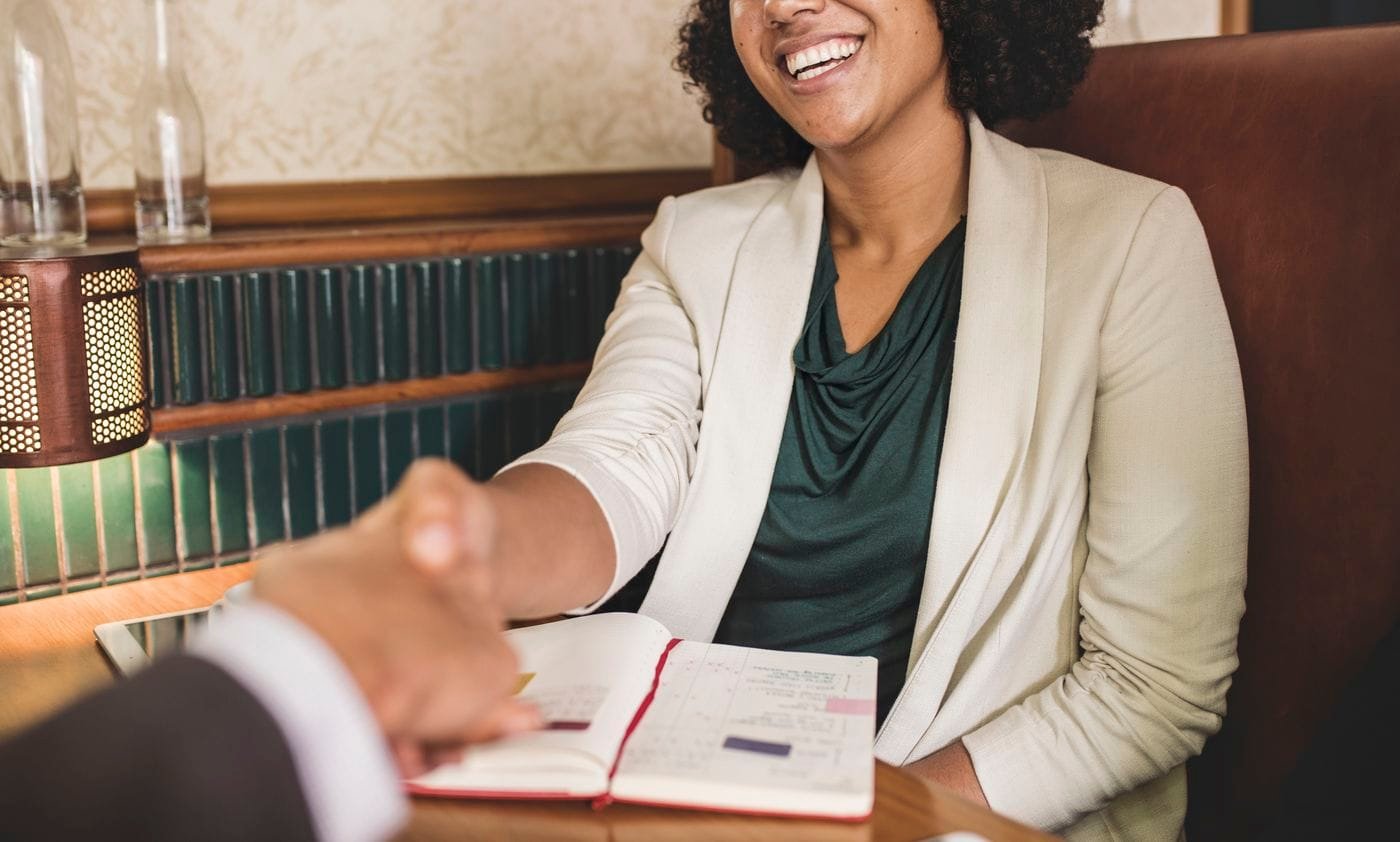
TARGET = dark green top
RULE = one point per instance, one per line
(838, 562)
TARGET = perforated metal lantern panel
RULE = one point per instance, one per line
(73, 368)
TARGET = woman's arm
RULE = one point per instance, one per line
(568, 524)
(1161, 593)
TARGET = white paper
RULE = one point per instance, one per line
(756, 729)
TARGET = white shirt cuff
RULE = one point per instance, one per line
(347, 775)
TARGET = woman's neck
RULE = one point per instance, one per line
(899, 193)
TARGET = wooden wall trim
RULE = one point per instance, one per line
(324, 203)
(279, 407)
(1234, 17)
(343, 244)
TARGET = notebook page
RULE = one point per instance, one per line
(586, 676)
(753, 729)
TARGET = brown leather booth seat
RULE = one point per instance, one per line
(1289, 146)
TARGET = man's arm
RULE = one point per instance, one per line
(288, 718)
(182, 751)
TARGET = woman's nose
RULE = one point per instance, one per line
(780, 12)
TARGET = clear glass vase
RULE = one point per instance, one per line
(41, 188)
(172, 199)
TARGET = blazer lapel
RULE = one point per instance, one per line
(745, 406)
(996, 375)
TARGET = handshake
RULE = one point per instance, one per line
(406, 597)
(369, 647)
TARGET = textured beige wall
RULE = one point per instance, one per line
(311, 90)
(306, 90)
(1158, 20)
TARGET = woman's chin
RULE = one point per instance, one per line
(835, 143)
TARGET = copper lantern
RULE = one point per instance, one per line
(73, 364)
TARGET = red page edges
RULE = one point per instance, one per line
(606, 798)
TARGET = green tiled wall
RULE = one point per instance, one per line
(200, 501)
(204, 498)
(231, 335)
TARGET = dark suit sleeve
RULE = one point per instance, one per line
(182, 751)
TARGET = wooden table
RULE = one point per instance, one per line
(48, 657)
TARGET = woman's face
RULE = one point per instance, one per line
(839, 71)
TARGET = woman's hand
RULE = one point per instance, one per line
(449, 528)
(530, 543)
(951, 767)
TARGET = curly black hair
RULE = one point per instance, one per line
(1006, 59)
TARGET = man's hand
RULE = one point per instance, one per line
(421, 638)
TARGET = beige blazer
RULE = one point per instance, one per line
(1079, 613)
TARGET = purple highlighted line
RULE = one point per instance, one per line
(864, 707)
(566, 725)
(758, 746)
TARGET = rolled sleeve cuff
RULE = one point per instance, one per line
(348, 778)
(624, 517)
(999, 756)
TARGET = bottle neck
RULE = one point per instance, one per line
(163, 34)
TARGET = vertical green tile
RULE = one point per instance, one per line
(555, 402)
(521, 424)
(463, 438)
(157, 339)
(230, 492)
(293, 291)
(432, 431)
(265, 470)
(187, 347)
(157, 495)
(333, 437)
(8, 580)
(219, 297)
(457, 315)
(300, 442)
(493, 438)
(599, 270)
(259, 352)
(398, 445)
(364, 354)
(427, 296)
(117, 485)
(330, 329)
(367, 461)
(490, 313)
(393, 320)
(520, 310)
(572, 318)
(192, 505)
(546, 327)
(38, 538)
(78, 497)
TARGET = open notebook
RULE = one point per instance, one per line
(633, 715)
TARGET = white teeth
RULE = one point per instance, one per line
(798, 63)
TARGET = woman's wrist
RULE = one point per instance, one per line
(552, 549)
(951, 768)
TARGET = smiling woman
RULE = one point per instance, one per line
(1003, 60)
(920, 394)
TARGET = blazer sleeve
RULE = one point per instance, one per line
(181, 751)
(1161, 594)
(631, 436)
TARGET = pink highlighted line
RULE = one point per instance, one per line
(864, 707)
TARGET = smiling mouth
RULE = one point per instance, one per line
(820, 58)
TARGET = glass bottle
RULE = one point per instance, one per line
(41, 189)
(172, 200)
